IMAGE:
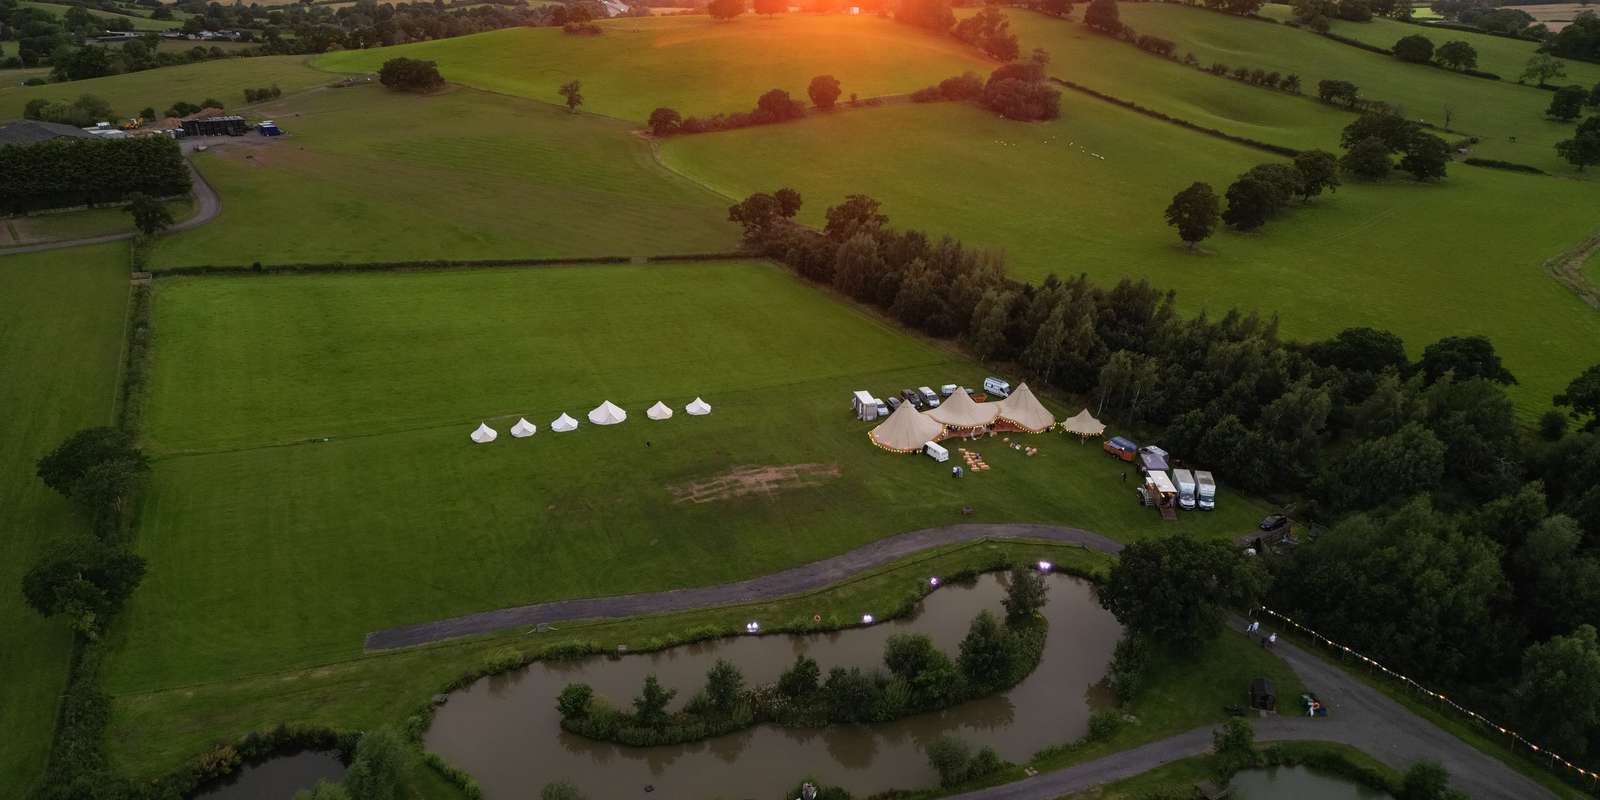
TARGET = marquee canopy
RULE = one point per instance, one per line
(1084, 424)
(961, 411)
(906, 430)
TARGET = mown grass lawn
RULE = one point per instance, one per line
(79, 224)
(1461, 256)
(1498, 54)
(130, 93)
(60, 337)
(271, 548)
(366, 174)
(694, 64)
(1508, 118)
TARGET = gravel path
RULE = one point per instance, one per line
(207, 206)
(805, 578)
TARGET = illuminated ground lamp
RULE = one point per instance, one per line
(1045, 566)
(934, 581)
(752, 627)
(866, 619)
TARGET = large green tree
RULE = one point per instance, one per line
(1194, 212)
(1558, 696)
(83, 579)
(1582, 397)
(1567, 103)
(1174, 590)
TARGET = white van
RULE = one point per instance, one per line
(935, 451)
(929, 396)
(996, 387)
(1185, 481)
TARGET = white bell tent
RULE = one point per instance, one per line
(563, 424)
(659, 411)
(484, 434)
(523, 429)
(698, 408)
(607, 414)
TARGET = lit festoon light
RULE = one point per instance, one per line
(866, 619)
(752, 627)
(934, 581)
(1045, 566)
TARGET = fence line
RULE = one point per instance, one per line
(1513, 735)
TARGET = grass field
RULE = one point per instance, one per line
(1496, 111)
(60, 338)
(371, 175)
(76, 224)
(224, 80)
(693, 64)
(139, 23)
(1498, 54)
(1390, 255)
(315, 481)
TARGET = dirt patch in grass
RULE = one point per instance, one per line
(742, 481)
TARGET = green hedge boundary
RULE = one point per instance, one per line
(1276, 149)
(1510, 166)
(323, 267)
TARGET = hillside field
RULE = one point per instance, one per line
(224, 80)
(314, 479)
(140, 23)
(686, 63)
(1508, 118)
(1389, 255)
(60, 339)
(366, 174)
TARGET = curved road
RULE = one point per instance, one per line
(207, 207)
(1359, 715)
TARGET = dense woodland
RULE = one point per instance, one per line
(62, 173)
(1452, 543)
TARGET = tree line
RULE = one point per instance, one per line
(61, 173)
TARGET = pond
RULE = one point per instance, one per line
(1300, 783)
(505, 730)
(279, 778)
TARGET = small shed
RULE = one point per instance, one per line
(1262, 696)
(269, 128)
(226, 125)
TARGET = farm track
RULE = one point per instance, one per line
(1360, 716)
(207, 206)
(1567, 270)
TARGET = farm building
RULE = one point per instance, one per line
(229, 125)
(33, 131)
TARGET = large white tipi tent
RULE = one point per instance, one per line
(659, 411)
(1085, 425)
(1024, 411)
(906, 430)
(698, 408)
(607, 413)
(564, 423)
(484, 434)
(961, 412)
(523, 429)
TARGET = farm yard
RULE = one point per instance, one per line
(312, 480)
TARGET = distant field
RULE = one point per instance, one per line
(379, 511)
(1498, 54)
(1555, 16)
(693, 64)
(365, 174)
(139, 23)
(1106, 65)
(1496, 111)
(60, 336)
(1345, 260)
(224, 80)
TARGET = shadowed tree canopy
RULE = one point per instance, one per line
(1173, 590)
(1466, 356)
(410, 75)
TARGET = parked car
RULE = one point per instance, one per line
(928, 397)
(948, 389)
(914, 397)
(1273, 522)
(894, 403)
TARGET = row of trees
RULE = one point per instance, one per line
(1375, 137)
(61, 173)
(917, 677)
(774, 106)
(1419, 49)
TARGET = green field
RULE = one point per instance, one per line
(315, 481)
(1082, 56)
(224, 80)
(60, 339)
(1502, 56)
(139, 23)
(76, 224)
(1391, 255)
(687, 63)
(371, 175)
(1508, 118)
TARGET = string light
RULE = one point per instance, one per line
(1515, 737)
